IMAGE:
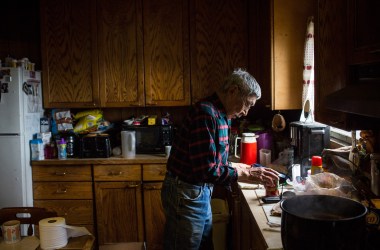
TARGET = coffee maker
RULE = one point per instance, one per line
(308, 139)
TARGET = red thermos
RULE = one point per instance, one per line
(248, 148)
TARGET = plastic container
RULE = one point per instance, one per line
(220, 218)
(37, 150)
(62, 153)
(316, 165)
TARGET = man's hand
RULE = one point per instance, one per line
(261, 175)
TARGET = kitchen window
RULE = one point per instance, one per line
(340, 138)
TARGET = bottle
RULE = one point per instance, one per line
(62, 153)
(70, 147)
(316, 165)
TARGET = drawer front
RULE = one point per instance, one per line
(117, 172)
(62, 173)
(154, 172)
(62, 190)
(76, 212)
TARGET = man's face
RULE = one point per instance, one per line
(239, 104)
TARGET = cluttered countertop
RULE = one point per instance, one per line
(340, 196)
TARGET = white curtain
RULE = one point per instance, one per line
(307, 114)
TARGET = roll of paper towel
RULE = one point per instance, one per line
(54, 232)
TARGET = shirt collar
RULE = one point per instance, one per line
(214, 98)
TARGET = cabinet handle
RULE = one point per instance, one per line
(162, 173)
(115, 173)
(61, 191)
(375, 51)
(151, 188)
(132, 186)
(60, 173)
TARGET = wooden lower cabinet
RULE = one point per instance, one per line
(122, 200)
(66, 190)
(119, 212)
(250, 238)
(154, 217)
(118, 195)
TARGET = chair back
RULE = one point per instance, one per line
(26, 215)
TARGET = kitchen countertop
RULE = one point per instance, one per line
(271, 235)
(139, 159)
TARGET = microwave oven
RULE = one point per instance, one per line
(151, 139)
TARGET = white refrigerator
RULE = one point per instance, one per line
(20, 113)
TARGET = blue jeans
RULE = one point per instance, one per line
(188, 215)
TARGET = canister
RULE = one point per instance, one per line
(11, 231)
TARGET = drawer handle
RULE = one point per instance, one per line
(162, 173)
(61, 191)
(60, 173)
(115, 173)
(151, 188)
(132, 186)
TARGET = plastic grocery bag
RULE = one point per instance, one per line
(328, 184)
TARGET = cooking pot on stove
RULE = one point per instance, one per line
(322, 222)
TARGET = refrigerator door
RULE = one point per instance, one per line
(11, 102)
(12, 192)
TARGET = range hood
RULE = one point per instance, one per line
(361, 96)
(361, 99)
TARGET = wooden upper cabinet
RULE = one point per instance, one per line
(166, 52)
(363, 31)
(330, 59)
(219, 43)
(120, 47)
(69, 54)
(289, 22)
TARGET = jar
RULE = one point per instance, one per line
(271, 191)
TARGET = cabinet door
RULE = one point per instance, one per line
(331, 58)
(121, 70)
(363, 28)
(69, 54)
(119, 212)
(219, 43)
(154, 215)
(289, 21)
(166, 52)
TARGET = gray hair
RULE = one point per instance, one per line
(246, 83)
